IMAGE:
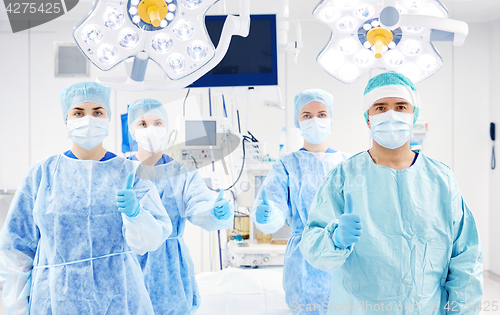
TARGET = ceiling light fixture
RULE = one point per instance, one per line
(394, 35)
(172, 33)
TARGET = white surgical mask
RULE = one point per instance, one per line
(152, 138)
(315, 130)
(88, 131)
(391, 129)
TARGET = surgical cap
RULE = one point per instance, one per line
(85, 92)
(391, 84)
(144, 107)
(313, 95)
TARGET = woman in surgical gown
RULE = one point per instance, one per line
(169, 271)
(287, 194)
(77, 221)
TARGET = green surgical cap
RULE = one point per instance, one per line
(391, 84)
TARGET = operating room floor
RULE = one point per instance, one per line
(491, 296)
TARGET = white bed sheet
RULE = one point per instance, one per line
(242, 291)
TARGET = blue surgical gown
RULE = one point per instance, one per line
(419, 248)
(291, 185)
(66, 249)
(169, 271)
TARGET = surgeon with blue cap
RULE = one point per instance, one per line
(169, 271)
(78, 220)
(288, 191)
(391, 223)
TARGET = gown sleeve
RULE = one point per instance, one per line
(18, 245)
(152, 226)
(464, 282)
(317, 245)
(276, 187)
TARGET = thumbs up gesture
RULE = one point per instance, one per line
(263, 211)
(222, 207)
(126, 200)
(349, 229)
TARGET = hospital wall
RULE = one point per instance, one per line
(457, 103)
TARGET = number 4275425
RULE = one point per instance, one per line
(26, 7)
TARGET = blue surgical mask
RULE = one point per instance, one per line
(391, 129)
(315, 130)
(88, 131)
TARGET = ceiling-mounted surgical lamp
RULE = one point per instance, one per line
(172, 33)
(394, 35)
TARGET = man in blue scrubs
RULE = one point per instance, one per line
(392, 222)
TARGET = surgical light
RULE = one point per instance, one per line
(176, 63)
(162, 43)
(129, 38)
(191, 4)
(364, 11)
(107, 54)
(394, 35)
(91, 34)
(183, 30)
(172, 33)
(197, 50)
(113, 19)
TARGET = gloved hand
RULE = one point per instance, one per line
(222, 207)
(349, 229)
(126, 200)
(263, 210)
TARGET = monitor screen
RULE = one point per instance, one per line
(249, 61)
(201, 133)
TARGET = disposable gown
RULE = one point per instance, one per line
(169, 271)
(419, 252)
(291, 185)
(66, 249)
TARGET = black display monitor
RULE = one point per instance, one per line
(249, 61)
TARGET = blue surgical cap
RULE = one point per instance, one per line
(391, 84)
(312, 95)
(85, 92)
(144, 107)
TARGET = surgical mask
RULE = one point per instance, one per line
(315, 130)
(88, 131)
(152, 138)
(391, 129)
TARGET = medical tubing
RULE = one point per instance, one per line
(184, 104)
(224, 105)
(82, 260)
(210, 101)
(493, 159)
(220, 250)
(195, 164)
(241, 170)
(239, 125)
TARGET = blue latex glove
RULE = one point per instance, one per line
(126, 200)
(222, 207)
(349, 229)
(263, 210)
